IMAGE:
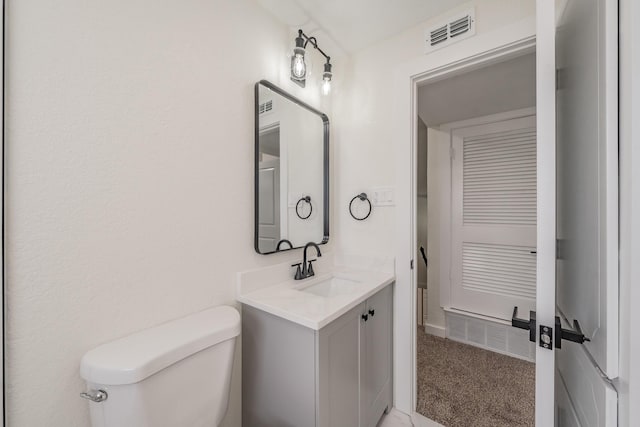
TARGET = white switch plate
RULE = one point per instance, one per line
(382, 196)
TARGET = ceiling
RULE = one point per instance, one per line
(505, 86)
(346, 26)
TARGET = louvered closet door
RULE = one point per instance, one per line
(493, 264)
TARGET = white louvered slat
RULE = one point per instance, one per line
(499, 269)
(499, 178)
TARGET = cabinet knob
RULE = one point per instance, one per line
(365, 317)
(372, 312)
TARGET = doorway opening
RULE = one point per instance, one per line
(475, 234)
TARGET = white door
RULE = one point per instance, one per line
(587, 229)
(572, 388)
(269, 206)
(494, 217)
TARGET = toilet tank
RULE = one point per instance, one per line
(175, 374)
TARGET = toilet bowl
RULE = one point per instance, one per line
(175, 374)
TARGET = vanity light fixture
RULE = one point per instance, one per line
(299, 67)
(326, 78)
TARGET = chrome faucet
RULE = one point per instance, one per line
(307, 267)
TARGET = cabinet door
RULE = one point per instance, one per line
(338, 373)
(376, 358)
(278, 361)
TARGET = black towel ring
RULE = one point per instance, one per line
(362, 197)
(304, 199)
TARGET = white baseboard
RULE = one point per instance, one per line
(438, 331)
(396, 418)
(420, 420)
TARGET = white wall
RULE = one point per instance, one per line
(439, 213)
(365, 147)
(422, 200)
(432, 220)
(129, 177)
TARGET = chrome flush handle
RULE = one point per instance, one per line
(95, 395)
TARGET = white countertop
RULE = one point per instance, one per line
(288, 300)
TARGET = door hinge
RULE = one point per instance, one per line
(561, 245)
(560, 76)
(411, 264)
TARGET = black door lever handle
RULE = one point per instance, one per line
(424, 256)
(530, 324)
(576, 335)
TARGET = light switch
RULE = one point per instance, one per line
(382, 196)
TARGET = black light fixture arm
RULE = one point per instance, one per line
(314, 43)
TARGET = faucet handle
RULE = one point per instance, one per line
(310, 271)
(298, 275)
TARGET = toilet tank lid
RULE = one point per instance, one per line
(135, 357)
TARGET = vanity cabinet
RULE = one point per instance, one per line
(375, 354)
(339, 375)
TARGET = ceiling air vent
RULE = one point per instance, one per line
(456, 28)
(265, 107)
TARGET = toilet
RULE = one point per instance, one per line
(174, 374)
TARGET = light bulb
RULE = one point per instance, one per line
(326, 86)
(298, 65)
(326, 78)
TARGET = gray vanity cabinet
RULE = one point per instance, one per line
(339, 349)
(293, 376)
(376, 350)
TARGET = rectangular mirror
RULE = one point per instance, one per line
(291, 172)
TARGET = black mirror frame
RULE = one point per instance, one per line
(325, 126)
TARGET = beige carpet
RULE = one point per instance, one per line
(464, 386)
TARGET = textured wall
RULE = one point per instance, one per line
(129, 178)
(365, 145)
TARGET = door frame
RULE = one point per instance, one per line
(496, 46)
(3, 393)
(628, 383)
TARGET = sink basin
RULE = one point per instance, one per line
(332, 287)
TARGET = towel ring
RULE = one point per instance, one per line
(304, 199)
(362, 197)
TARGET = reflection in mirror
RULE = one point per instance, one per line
(292, 172)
